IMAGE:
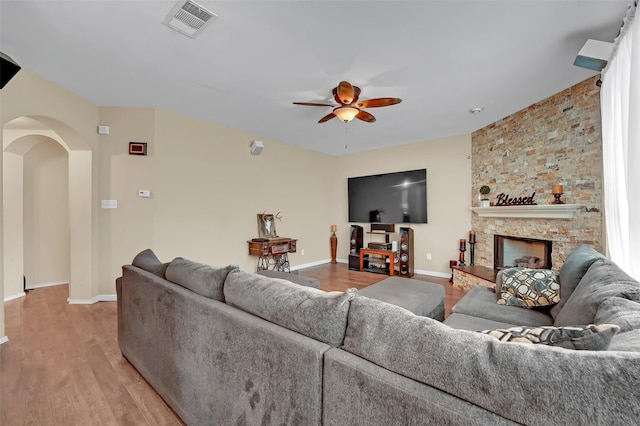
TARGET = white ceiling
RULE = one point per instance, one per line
(245, 70)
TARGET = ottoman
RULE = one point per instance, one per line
(294, 278)
(420, 297)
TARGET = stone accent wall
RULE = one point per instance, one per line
(555, 141)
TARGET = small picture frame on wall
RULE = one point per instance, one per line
(137, 148)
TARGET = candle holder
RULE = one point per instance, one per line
(557, 199)
(472, 253)
(461, 258)
(557, 191)
(452, 264)
(472, 243)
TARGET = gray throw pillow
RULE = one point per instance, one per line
(203, 279)
(571, 272)
(588, 337)
(148, 261)
(603, 280)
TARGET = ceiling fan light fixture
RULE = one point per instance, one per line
(346, 113)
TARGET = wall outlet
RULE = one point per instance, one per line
(428, 256)
(302, 252)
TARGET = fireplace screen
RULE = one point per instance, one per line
(509, 252)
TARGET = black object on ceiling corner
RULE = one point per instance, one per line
(8, 68)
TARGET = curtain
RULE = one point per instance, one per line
(620, 105)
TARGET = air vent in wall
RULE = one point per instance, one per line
(189, 18)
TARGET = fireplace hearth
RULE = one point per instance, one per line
(509, 252)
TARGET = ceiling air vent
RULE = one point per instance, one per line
(189, 18)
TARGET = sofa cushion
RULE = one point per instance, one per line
(148, 261)
(203, 279)
(480, 302)
(309, 311)
(467, 322)
(603, 280)
(293, 277)
(623, 312)
(628, 341)
(589, 337)
(529, 288)
(571, 272)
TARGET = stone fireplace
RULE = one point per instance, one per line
(556, 141)
(509, 252)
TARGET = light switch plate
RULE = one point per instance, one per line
(144, 193)
(109, 204)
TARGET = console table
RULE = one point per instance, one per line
(273, 253)
(387, 253)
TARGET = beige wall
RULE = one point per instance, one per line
(206, 189)
(73, 120)
(448, 167)
(13, 224)
(46, 214)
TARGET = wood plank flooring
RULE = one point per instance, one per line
(62, 364)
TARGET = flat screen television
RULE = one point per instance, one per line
(399, 197)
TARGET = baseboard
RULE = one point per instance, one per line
(4, 339)
(94, 299)
(309, 265)
(35, 286)
(15, 296)
(432, 273)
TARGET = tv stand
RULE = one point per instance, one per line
(384, 253)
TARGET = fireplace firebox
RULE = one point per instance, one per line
(509, 252)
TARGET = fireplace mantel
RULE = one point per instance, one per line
(549, 211)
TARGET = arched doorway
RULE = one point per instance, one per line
(19, 137)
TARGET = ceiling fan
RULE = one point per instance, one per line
(350, 107)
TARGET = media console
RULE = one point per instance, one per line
(386, 257)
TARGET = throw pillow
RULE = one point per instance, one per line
(529, 288)
(589, 337)
(148, 261)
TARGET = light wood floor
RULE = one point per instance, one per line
(62, 364)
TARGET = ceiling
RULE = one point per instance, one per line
(248, 66)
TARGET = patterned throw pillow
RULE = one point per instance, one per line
(529, 288)
(588, 337)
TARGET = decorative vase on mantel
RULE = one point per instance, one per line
(485, 203)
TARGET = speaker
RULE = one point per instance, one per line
(256, 147)
(8, 68)
(355, 239)
(405, 261)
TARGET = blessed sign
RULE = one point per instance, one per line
(505, 200)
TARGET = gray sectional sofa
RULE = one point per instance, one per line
(226, 347)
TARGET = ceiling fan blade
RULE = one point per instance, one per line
(345, 92)
(365, 116)
(378, 102)
(327, 117)
(312, 104)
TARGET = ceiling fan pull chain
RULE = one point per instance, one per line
(346, 136)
